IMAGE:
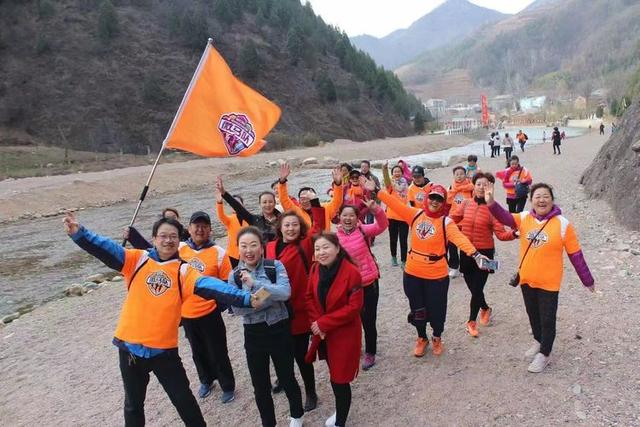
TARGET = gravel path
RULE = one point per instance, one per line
(58, 367)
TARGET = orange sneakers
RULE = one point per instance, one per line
(437, 346)
(485, 316)
(421, 347)
(472, 328)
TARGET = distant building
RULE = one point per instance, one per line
(437, 107)
(502, 103)
(532, 104)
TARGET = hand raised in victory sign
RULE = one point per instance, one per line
(488, 193)
(370, 184)
(71, 225)
(219, 191)
(285, 170)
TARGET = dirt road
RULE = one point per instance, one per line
(58, 367)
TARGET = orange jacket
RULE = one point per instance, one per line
(427, 256)
(208, 261)
(511, 176)
(331, 208)
(457, 193)
(477, 223)
(233, 225)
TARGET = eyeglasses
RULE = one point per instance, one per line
(168, 237)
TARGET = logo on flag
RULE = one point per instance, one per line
(237, 131)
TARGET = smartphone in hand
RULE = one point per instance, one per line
(489, 264)
(262, 294)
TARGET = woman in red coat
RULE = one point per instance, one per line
(293, 247)
(334, 302)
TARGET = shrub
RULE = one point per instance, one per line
(42, 45)
(249, 62)
(107, 21)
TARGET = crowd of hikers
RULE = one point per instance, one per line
(303, 278)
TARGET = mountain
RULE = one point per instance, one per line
(448, 23)
(557, 47)
(101, 76)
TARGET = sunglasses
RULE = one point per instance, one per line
(436, 198)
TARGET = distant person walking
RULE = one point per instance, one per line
(398, 229)
(544, 136)
(601, 128)
(496, 144)
(492, 143)
(516, 180)
(507, 147)
(522, 139)
(556, 138)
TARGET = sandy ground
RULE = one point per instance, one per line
(58, 367)
(34, 197)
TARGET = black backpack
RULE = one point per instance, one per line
(270, 270)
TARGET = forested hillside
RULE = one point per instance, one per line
(563, 46)
(108, 75)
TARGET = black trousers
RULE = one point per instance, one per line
(261, 342)
(300, 347)
(428, 303)
(234, 261)
(507, 153)
(556, 147)
(475, 279)
(542, 307)
(495, 151)
(208, 338)
(454, 256)
(369, 314)
(517, 205)
(522, 146)
(342, 393)
(398, 229)
(167, 367)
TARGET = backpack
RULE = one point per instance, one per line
(270, 270)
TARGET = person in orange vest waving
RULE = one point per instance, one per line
(544, 235)
(158, 282)
(202, 318)
(426, 275)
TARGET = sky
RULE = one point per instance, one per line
(381, 17)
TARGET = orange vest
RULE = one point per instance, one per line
(543, 265)
(417, 195)
(150, 315)
(210, 262)
(391, 214)
(458, 193)
(233, 226)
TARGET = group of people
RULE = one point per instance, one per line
(306, 292)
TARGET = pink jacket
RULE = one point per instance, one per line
(355, 242)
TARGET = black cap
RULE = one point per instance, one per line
(417, 170)
(355, 172)
(200, 215)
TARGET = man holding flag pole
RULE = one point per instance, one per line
(219, 116)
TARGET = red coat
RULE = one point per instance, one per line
(297, 271)
(340, 322)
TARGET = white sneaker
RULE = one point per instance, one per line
(533, 350)
(453, 273)
(331, 421)
(540, 361)
(296, 422)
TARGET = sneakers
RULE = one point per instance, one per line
(369, 361)
(277, 388)
(421, 347)
(205, 390)
(436, 348)
(402, 264)
(453, 273)
(331, 421)
(485, 316)
(296, 422)
(540, 361)
(533, 350)
(228, 396)
(394, 261)
(472, 328)
(311, 402)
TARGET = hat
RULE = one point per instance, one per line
(354, 172)
(438, 190)
(417, 170)
(200, 215)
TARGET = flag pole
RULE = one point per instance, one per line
(145, 189)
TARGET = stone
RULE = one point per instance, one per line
(330, 159)
(92, 285)
(96, 278)
(75, 290)
(10, 317)
(622, 248)
(458, 158)
(636, 146)
(635, 251)
(310, 161)
(377, 164)
(432, 164)
(117, 278)
(273, 164)
(576, 389)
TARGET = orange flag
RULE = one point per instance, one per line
(219, 115)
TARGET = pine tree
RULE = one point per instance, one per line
(107, 21)
(295, 45)
(418, 123)
(249, 61)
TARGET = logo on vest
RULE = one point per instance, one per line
(459, 198)
(197, 264)
(538, 240)
(420, 196)
(425, 229)
(158, 283)
(237, 132)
